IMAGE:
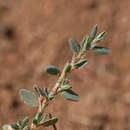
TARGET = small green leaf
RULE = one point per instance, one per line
(46, 92)
(70, 95)
(29, 97)
(44, 117)
(49, 122)
(93, 33)
(87, 44)
(75, 47)
(51, 69)
(83, 42)
(20, 122)
(101, 50)
(34, 121)
(51, 95)
(39, 91)
(81, 63)
(25, 121)
(38, 117)
(99, 37)
(67, 68)
(15, 126)
(6, 127)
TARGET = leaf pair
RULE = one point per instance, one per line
(81, 63)
(93, 37)
(91, 41)
(40, 120)
(95, 40)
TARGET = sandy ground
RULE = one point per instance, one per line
(34, 34)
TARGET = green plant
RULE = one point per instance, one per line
(44, 97)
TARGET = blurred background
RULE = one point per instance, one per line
(34, 34)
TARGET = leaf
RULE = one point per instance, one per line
(46, 92)
(51, 95)
(75, 47)
(29, 97)
(15, 126)
(67, 68)
(99, 37)
(51, 69)
(87, 44)
(34, 121)
(83, 42)
(70, 95)
(101, 50)
(44, 117)
(49, 122)
(7, 127)
(25, 121)
(39, 91)
(20, 122)
(81, 63)
(93, 33)
(37, 118)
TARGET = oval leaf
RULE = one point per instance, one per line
(101, 50)
(49, 122)
(51, 69)
(81, 63)
(75, 47)
(70, 95)
(15, 126)
(29, 97)
(93, 33)
(7, 127)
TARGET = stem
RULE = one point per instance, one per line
(58, 84)
(54, 126)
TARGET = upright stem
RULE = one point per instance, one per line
(58, 84)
